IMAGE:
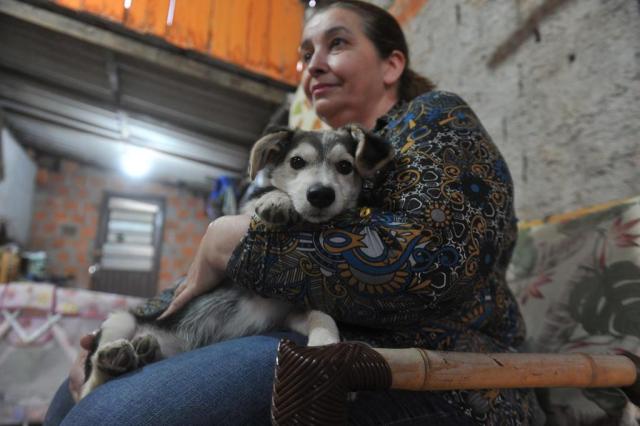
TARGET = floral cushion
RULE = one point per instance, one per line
(577, 279)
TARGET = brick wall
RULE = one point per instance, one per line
(66, 214)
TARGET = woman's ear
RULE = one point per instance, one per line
(267, 149)
(372, 152)
(395, 64)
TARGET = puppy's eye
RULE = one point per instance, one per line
(344, 167)
(297, 163)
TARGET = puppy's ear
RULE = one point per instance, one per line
(267, 149)
(372, 152)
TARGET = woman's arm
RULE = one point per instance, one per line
(446, 227)
(435, 251)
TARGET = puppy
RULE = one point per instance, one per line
(311, 176)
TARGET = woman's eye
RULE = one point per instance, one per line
(297, 163)
(344, 167)
(306, 57)
(336, 42)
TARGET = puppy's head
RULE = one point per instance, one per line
(321, 171)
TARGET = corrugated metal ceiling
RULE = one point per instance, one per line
(88, 99)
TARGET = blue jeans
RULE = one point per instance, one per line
(228, 383)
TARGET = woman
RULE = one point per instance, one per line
(422, 267)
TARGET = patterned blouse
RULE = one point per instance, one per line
(423, 265)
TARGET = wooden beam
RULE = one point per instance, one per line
(128, 46)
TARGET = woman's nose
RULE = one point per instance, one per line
(317, 64)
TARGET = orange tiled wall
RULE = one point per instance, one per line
(259, 35)
(70, 199)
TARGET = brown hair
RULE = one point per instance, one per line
(385, 33)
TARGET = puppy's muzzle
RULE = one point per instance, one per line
(321, 196)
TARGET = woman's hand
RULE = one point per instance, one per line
(201, 278)
(76, 374)
(208, 268)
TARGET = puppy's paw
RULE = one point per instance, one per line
(276, 208)
(117, 357)
(90, 386)
(147, 349)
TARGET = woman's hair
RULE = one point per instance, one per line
(386, 35)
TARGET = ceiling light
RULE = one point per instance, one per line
(136, 162)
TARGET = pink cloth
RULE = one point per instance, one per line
(40, 328)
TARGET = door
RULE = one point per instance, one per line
(128, 245)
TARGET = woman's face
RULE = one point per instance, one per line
(343, 75)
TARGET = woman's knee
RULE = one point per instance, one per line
(217, 383)
(60, 405)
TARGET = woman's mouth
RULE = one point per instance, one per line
(320, 89)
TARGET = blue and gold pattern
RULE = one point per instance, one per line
(425, 268)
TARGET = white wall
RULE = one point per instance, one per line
(17, 187)
(565, 110)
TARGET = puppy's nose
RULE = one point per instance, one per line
(320, 196)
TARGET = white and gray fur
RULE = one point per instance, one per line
(312, 176)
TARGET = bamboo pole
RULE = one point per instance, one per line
(419, 369)
(311, 384)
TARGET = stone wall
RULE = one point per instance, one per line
(66, 213)
(564, 108)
